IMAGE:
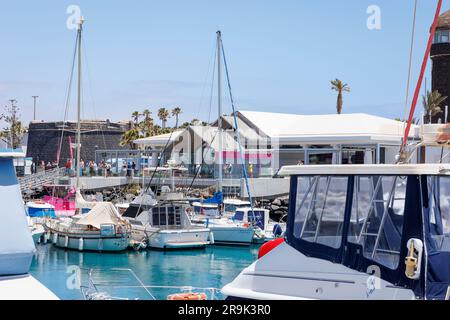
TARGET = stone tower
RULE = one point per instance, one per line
(440, 55)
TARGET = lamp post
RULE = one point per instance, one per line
(34, 113)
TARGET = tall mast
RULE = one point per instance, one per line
(77, 168)
(219, 95)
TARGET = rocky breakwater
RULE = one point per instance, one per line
(278, 208)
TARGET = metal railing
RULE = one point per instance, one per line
(38, 180)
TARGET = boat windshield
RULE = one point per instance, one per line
(377, 217)
(439, 219)
(376, 213)
(167, 216)
(320, 209)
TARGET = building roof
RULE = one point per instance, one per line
(367, 169)
(344, 128)
(159, 141)
(444, 20)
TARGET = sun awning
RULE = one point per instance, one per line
(102, 213)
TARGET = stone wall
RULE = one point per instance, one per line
(45, 138)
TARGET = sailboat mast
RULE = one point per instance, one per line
(219, 95)
(78, 168)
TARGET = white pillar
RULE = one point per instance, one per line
(368, 158)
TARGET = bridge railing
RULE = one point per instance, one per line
(38, 180)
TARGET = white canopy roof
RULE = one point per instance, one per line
(358, 127)
(102, 213)
(159, 141)
(368, 169)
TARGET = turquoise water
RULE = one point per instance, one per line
(212, 267)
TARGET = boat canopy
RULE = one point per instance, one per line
(16, 243)
(102, 214)
(216, 199)
(373, 169)
(366, 217)
(81, 203)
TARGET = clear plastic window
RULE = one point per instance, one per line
(377, 217)
(439, 197)
(320, 209)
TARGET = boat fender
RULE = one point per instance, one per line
(100, 244)
(46, 237)
(269, 246)
(55, 238)
(211, 237)
(277, 230)
(66, 241)
(81, 244)
(187, 296)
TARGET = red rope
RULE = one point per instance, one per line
(422, 72)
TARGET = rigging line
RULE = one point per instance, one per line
(410, 63)
(157, 166)
(212, 87)
(244, 169)
(88, 71)
(420, 80)
(205, 83)
(67, 99)
(197, 170)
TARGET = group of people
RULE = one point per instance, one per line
(90, 168)
(42, 166)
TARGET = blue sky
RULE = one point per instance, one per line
(152, 54)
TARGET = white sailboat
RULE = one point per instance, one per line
(103, 228)
(224, 231)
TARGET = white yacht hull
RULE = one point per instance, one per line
(232, 235)
(24, 288)
(286, 274)
(177, 239)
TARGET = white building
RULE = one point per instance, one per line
(272, 140)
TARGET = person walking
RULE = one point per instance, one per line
(68, 167)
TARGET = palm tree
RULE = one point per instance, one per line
(176, 113)
(163, 115)
(147, 114)
(340, 87)
(432, 104)
(129, 137)
(135, 115)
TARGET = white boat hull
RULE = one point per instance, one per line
(286, 274)
(177, 239)
(232, 235)
(89, 243)
(24, 288)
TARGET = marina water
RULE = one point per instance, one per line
(212, 267)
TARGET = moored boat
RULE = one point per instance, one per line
(373, 231)
(102, 229)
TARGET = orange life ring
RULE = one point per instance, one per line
(246, 225)
(187, 296)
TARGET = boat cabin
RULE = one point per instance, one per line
(231, 205)
(167, 216)
(391, 219)
(257, 217)
(206, 209)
